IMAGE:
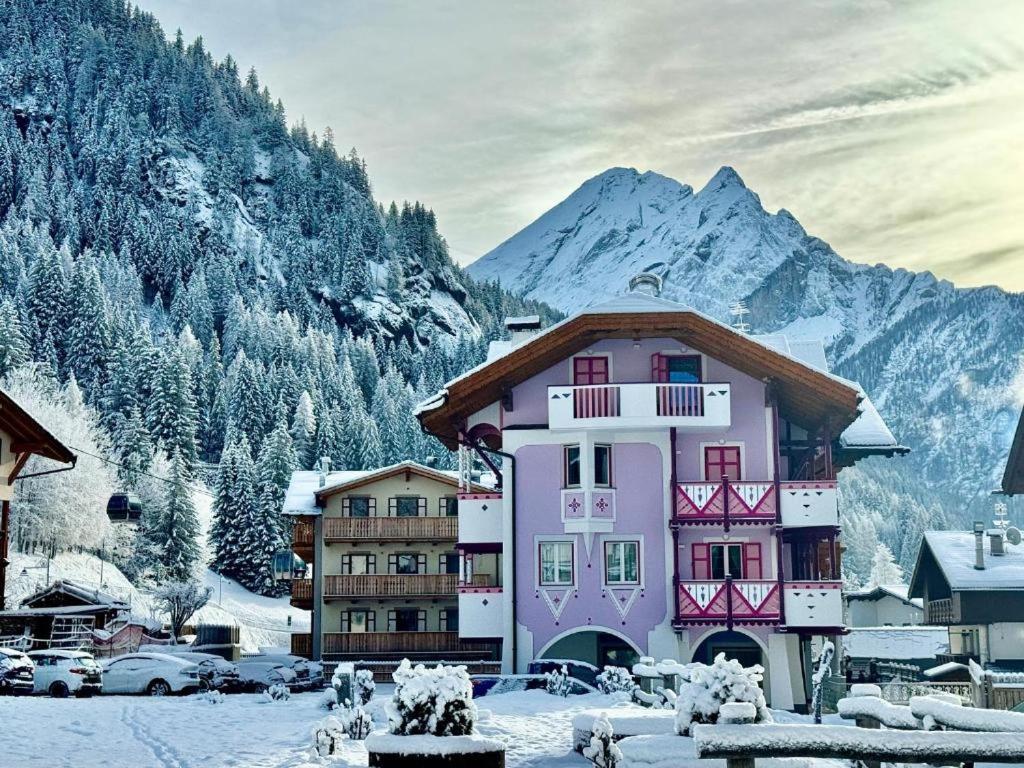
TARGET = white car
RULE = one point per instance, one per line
(214, 672)
(61, 673)
(154, 674)
(308, 674)
(260, 675)
(16, 671)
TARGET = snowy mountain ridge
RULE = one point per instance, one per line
(943, 364)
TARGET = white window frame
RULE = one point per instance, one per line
(565, 464)
(540, 543)
(619, 540)
(593, 467)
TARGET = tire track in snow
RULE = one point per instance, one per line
(166, 755)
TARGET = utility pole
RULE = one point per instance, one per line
(5, 523)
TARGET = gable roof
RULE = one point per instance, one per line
(305, 495)
(1013, 475)
(29, 435)
(953, 553)
(807, 394)
(899, 591)
(75, 592)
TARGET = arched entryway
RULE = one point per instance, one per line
(593, 646)
(735, 645)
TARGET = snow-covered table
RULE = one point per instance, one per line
(741, 745)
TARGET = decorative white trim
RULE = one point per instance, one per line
(557, 608)
(589, 628)
(623, 609)
(641, 563)
(539, 539)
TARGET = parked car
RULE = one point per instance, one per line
(16, 671)
(214, 672)
(154, 674)
(308, 674)
(61, 673)
(258, 676)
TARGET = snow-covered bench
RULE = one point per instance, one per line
(625, 721)
(865, 706)
(741, 744)
(935, 712)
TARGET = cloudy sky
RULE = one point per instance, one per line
(894, 129)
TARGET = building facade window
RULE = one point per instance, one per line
(556, 563)
(449, 620)
(358, 621)
(407, 563)
(589, 370)
(408, 506)
(448, 562)
(358, 564)
(449, 506)
(571, 462)
(407, 620)
(603, 465)
(676, 369)
(726, 560)
(622, 562)
(722, 461)
(359, 506)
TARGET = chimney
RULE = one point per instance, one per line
(522, 328)
(979, 545)
(647, 283)
(995, 543)
(430, 461)
(325, 468)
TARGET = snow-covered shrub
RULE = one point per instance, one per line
(329, 699)
(327, 736)
(603, 751)
(437, 702)
(212, 697)
(709, 687)
(364, 686)
(615, 680)
(556, 682)
(355, 721)
(277, 692)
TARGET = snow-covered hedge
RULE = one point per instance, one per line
(437, 702)
(709, 687)
(615, 680)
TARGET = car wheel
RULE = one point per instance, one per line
(59, 690)
(204, 686)
(158, 688)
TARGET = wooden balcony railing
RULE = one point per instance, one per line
(302, 590)
(411, 585)
(725, 601)
(302, 645)
(939, 611)
(302, 535)
(397, 642)
(399, 528)
(726, 502)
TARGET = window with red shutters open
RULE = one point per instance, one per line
(589, 370)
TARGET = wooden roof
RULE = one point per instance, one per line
(29, 436)
(806, 395)
(1013, 475)
(405, 467)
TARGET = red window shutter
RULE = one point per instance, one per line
(701, 561)
(721, 461)
(659, 368)
(752, 561)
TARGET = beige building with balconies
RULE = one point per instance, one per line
(384, 574)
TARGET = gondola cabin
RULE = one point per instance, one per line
(124, 508)
(288, 566)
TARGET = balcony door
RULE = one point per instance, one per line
(358, 564)
(722, 461)
(407, 620)
(589, 370)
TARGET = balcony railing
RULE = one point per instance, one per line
(302, 590)
(725, 502)
(302, 645)
(480, 519)
(751, 602)
(939, 611)
(397, 528)
(481, 613)
(811, 503)
(398, 642)
(390, 585)
(704, 406)
(302, 535)
(813, 604)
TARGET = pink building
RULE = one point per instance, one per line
(667, 489)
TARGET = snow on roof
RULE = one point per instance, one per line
(899, 591)
(897, 643)
(944, 669)
(76, 590)
(954, 553)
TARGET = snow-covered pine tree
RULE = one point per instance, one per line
(274, 469)
(884, 568)
(303, 431)
(171, 412)
(178, 532)
(13, 345)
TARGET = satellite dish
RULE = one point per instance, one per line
(1013, 535)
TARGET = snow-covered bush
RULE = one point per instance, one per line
(329, 699)
(277, 692)
(327, 736)
(615, 680)
(437, 702)
(556, 682)
(212, 697)
(355, 721)
(603, 752)
(709, 687)
(365, 686)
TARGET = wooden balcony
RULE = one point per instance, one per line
(391, 529)
(302, 540)
(399, 642)
(726, 502)
(391, 586)
(718, 602)
(302, 645)
(939, 612)
(302, 593)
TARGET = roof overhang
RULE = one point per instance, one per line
(805, 395)
(407, 468)
(28, 435)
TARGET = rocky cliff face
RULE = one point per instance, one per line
(943, 364)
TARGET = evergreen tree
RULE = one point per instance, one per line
(171, 412)
(884, 568)
(303, 432)
(88, 335)
(178, 530)
(13, 346)
(274, 469)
